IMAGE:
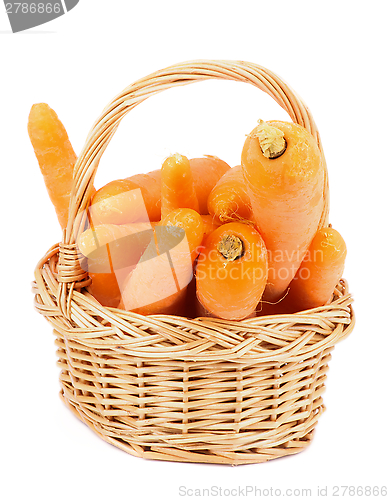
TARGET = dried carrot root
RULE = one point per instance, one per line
(231, 271)
(177, 187)
(55, 156)
(158, 284)
(284, 172)
(121, 202)
(206, 172)
(229, 199)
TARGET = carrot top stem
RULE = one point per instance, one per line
(231, 247)
(271, 139)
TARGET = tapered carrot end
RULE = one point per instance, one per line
(43, 122)
(177, 185)
(55, 156)
(176, 161)
(38, 113)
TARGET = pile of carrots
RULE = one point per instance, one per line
(199, 238)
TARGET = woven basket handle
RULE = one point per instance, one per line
(174, 76)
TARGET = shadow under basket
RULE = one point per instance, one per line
(172, 388)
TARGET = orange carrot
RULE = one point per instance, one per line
(112, 251)
(210, 224)
(231, 271)
(159, 282)
(126, 208)
(105, 288)
(177, 187)
(120, 202)
(206, 173)
(229, 199)
(191, 222)
(111, 247)
(319, 272)
(55, 156)
(150, 185)
(284, 171)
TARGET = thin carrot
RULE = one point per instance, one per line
(284, 171)
(231, 271)
(177, 187)
(206, 172)
(158, 284)
(134, 199)
(55, 156)
(229, 199)
(319, 273)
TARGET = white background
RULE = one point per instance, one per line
(335, 55)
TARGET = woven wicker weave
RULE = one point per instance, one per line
(172, 388)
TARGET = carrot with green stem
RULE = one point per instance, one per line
(231, 271)
(177, 187)
(158, 284)
(55, 156)
(285, 175)
(229, 199)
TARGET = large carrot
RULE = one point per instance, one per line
(55, 156)
(284, 172)
(319, 272)
(229, 199)
(231, 271)
(159, 282)
(206, 172)
(177, 186)
(111, 252)
(114, 246)
(134, 199)
(115, 204)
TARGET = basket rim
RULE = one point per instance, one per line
(295, 336)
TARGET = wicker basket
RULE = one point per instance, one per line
(190, 390)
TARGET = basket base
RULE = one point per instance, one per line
(173, 454)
